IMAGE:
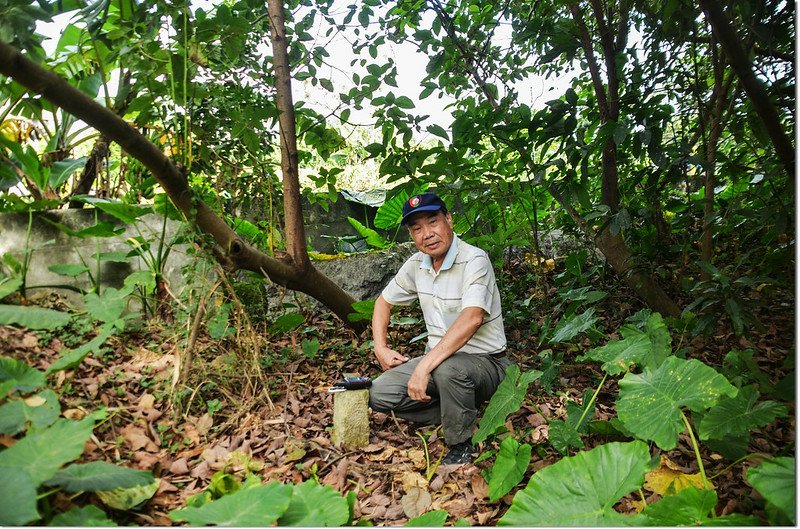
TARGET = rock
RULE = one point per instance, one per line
(351, 419)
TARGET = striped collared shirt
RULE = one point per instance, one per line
(466, 279)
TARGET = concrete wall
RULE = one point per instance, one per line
(51, 246)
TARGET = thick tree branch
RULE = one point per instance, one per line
(240, 253)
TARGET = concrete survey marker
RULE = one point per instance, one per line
(351, 419)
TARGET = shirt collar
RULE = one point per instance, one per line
(449, 258)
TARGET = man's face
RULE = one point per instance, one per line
(432, 233)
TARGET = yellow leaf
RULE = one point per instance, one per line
(668, 480)
(35, 401)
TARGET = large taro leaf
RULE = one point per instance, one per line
(32, 317)
(583, 489)
(569, 328)
(315, 505)
(774, 479)
(256, 506)
(17, 497)
(563, 436)
(16, 375)
(99, 475)
(38, 411)
(650, 405)
(509, 468)
(88, 516)
(739, 415)
(41, 454)
(660, 339)
(126, 498)
(68, 359)
(648, 348)
(690, 507)
(507, 399)
(619, 355)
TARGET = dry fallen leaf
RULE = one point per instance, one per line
(415, 502)
(412, 480)
(204, 424)
(147, 401)
(479, 486)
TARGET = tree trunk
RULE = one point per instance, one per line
(239, 253)
(726, 34)
(101, 148)
(292, 209)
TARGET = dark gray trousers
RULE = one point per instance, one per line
(457, 388)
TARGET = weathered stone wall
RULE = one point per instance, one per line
(50, 246)
(363, 275)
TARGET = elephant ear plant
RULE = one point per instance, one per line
(660, 397)
(41, 460)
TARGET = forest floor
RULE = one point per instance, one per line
(275, 420)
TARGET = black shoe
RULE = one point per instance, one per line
(458, 453)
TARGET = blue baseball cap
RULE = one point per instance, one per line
(423, 202)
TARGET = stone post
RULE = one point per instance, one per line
(351, 419)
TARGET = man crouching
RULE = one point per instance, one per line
(465, 357)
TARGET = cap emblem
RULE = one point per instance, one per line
(414, 201)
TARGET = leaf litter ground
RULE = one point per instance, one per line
(283, 432)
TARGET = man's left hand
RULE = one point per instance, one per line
(418, 385)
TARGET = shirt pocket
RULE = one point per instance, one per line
(449, 306)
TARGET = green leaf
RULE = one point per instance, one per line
(257, 506)
(362, 310)
(429, 519)
(106, 308)
(509, 468)
(404, 102)
(315, 505)
(127, 213)
(32, 317)
(660, 338)
(69, 270)
(650, 404)
(40, 411)
(774, 479)
(310, 347)
(101, 229)
(17, 497)
(372, 237)
(739, 415)
(585, 410)
(9, 285)
(691, 506)
(69, 359)
(126, 498)
(41, 454)
(506, 400)
(438, 131)
(619, 355)
(16, 375)
(99, 475)
(391, 212)
(581, 490)
(88, 516)
(63, 169)
(286, 322)
(569, 328)
(563, 436)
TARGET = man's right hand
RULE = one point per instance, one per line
(389, 358)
